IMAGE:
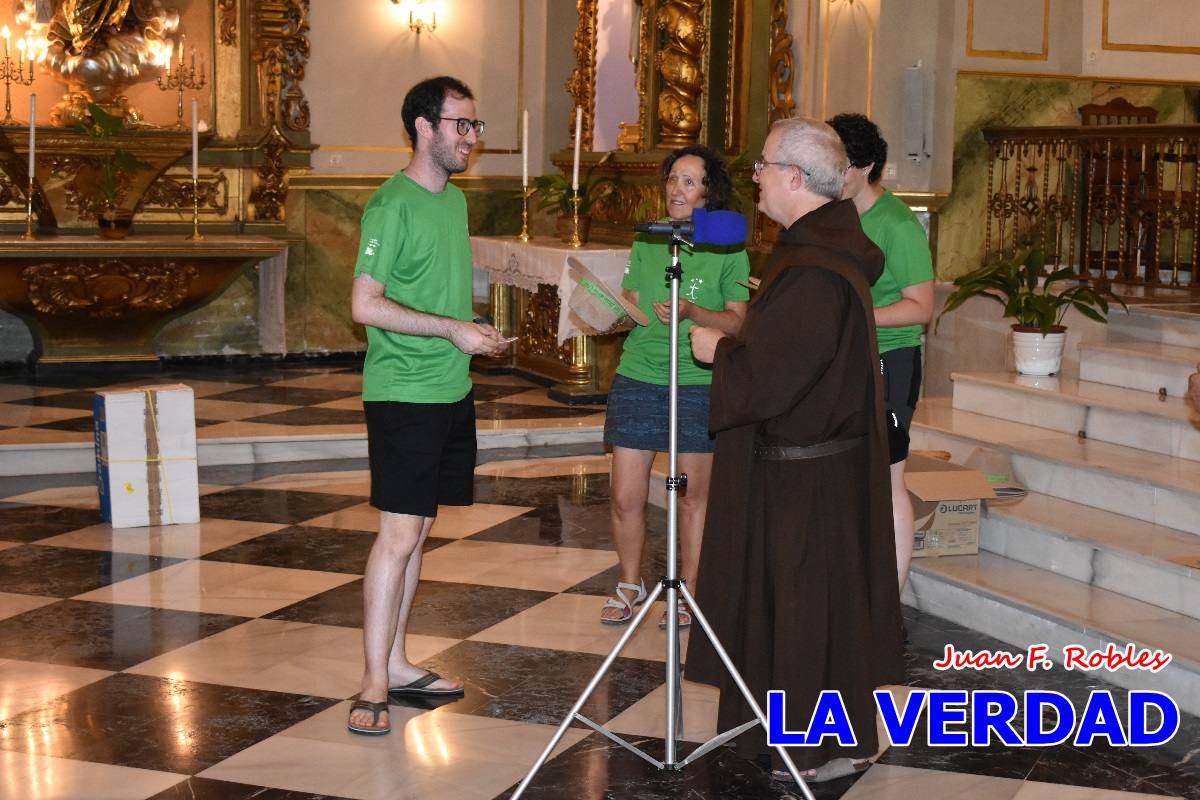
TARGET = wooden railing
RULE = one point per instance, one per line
(1117, 202)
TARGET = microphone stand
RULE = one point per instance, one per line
(674, 588)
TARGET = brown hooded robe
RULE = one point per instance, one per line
(798, 569)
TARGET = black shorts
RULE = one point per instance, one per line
(422, 455)
(901, 371)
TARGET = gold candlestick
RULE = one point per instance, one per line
(178, 79)
(526, 193)
(13, 73)
(28, 234)
(576, 241)
(196, 236)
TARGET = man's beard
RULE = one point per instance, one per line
(445, 156)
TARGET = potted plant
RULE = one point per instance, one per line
(556, 192)
(1037, 299)
(111, 174)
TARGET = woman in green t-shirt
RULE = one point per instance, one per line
(712, 293)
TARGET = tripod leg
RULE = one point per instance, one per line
(587, 692)
(698, 617)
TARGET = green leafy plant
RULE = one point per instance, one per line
(1035, 298)
(556, 192)
(114, 169)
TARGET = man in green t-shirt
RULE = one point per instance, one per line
(903, 300)
(412, 291)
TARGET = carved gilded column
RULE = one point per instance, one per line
(679, 60)
(582, 83)
(281, 51)
(782, 104)
(227, 22)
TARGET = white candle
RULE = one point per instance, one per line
(32, 132)
(525, 150)
(578, 140)
(195, 140)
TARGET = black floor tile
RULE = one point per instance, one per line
(156, 723)
(208, 789)
(78, 399)
(341, 605)
(25, 523)
(65, 572)
(1074, 767)
(599, 768)
(485, 392)
(312, 548)
(102, 635)
(537, 685)
(273, 505)
(543, 493)
(459, 610)
(311, 416)
(283, 395)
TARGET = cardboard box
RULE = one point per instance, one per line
(146, 456)
(946, 502)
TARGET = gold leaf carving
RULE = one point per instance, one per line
(281, 52)
(582, 83)
(107, 289)
(684, 35)
(269, 195)
(782, 104)
(175, 194)
(227, 25)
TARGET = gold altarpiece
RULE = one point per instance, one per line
(711, 72)
(83, 299)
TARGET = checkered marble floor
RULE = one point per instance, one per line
(218, 660)
(256, 401)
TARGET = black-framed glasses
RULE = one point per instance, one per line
(464, 125)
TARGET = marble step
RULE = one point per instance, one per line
(1022, 605)
(1127, 556)
(1166, 425)
(1176, 324)
(1134, 483)
(1145, 366)
(73, 457)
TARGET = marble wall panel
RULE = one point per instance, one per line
(987, 101)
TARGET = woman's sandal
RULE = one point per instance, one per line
(623, 601)
(829, 771)
(685, 618)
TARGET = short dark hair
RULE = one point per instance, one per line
(864, 143)
(425, 100)
(718, 186)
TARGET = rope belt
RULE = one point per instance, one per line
(764, 452)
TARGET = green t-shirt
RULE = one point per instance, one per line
(710, 277)
(415, 243)
(895, 229)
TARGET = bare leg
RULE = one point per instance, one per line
(387, 599)
(902, 517)
(693, 505)
(630, 490)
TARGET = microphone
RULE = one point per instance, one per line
(721, 228)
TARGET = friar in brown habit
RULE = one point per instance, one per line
(798, 570)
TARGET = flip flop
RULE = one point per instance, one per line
(420, 688)
(376, 709)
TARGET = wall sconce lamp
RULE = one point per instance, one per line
(422, 16)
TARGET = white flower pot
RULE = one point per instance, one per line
(1036, 354)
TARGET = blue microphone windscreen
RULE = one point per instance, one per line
(722, 228)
